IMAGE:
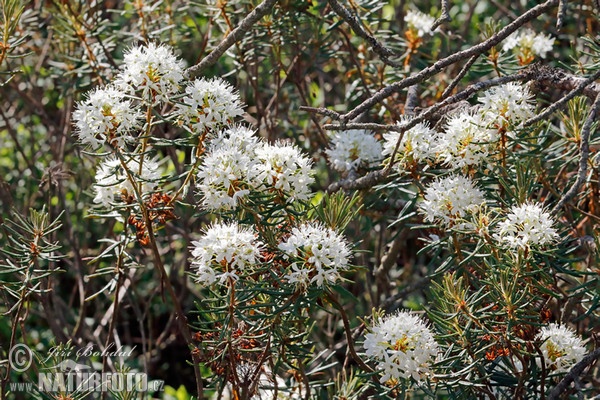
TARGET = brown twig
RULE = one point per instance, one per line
(237, 34)
(584, 152)
(383, 52)
(443, 63)
(573, 374)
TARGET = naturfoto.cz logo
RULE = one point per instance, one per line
(71, 377)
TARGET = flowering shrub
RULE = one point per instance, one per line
(302, 200)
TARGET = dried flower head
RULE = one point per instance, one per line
(403, 346)
(113, 180)
(153, 70)
(449, 200)
(107, 116)
(208, 104)
(223, 252)
(526, 225)
(318, 254)
(353, 149)
(561, 347)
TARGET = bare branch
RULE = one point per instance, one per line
(573, 374)
(460, 75)
(367, 181)
(562, 11)
(556, 78)
(357, 27)
(445, 17)
(443, 63)
(412, 100)
(323, 111)
(362, 125)
(237, 34)
(584, 151)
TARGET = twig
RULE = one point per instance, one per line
(362, 125)
(445, 17)
(443, 63)
(322, 111)
(370, 179)
(584, 151)
(461, 74)
(559, 79)
(573, 374)
(348, 332)
(412, 100)
(383, 52)
(237, 34)
(562, 11)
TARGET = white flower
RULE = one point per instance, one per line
(353, 149)
(238, 137)
(154, 70)
(416, 145)
(226, 176)
(107, 116)
(528, 42)
(449, 200)
(317, 253)
(526, 225)
(282, 167)
(112, 179)
(465, 141)
(223, 252)
(420, 22)
(506, 105)
(208, 104)
(561, 347)
(403, 346)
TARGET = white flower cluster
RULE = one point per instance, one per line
(449, 200)
(466, 141)
(403, 346)
(527, 42)
(112, 179)
(420, 22)
(107, 116)
(507, 105)
(317, 253)
(417, 144)
(237, 163)
(561, 347)
(153, 70)
(282, 167)
(223, 252)
(526, 225)
(208, 105)
(353, 149)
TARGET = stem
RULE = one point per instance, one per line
(348, 332)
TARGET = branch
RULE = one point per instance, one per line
(553, 77)
(383, 52)
(445, 17)
(367, 181)
(461, 74)
(584, 151)
(562, 11)
(573, 374)
(237, 34)
(443, 63)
